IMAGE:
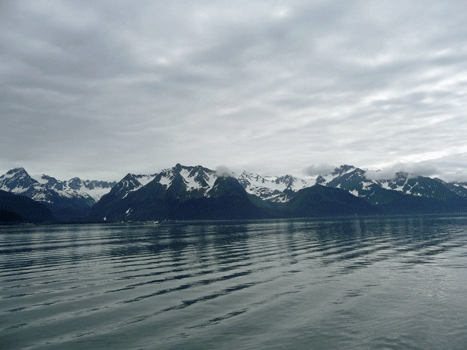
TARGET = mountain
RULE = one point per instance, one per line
(19, 209)
(226, 200)
(94, 189)
(66, 199)
(282, 189)
(403, 194)
(194, 193)
(179, 193)
(272, 188)
(459, 188)
(318, 201)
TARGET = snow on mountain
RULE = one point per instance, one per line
(93, 188)
(460, 184)
(194, 177)
(272, 188)
(341, 175)
(460, 188)
(201, 180)
(17, 181)
(354, 181)
(45, 188)
(144, 179)
(130, 183)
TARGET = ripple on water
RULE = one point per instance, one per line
(347, 283)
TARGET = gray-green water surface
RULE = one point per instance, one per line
(358, 283)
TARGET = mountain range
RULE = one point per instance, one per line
(198, 193)
(67, 200)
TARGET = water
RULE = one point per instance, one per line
(373, 283)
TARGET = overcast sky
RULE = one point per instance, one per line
(97, 89)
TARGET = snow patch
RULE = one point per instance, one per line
(385, 185)
(19, 190)
(145, 179)
(272, 187)
(40, 179)
(165, 181)
(8, 176)
(95, 193)
(189, 181)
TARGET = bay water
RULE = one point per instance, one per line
(350, 283)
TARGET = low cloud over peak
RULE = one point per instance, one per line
(321, 169)
(223, 171)
(388, 173)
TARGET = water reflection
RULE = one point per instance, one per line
(172, 286)
(230, 244)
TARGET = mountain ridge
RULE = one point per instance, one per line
(196, 192)
(66, 199)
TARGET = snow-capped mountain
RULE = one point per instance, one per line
(18, 181)
(40, 187)
(93, 188)
(191, 192)
(354, 180)
(345, 175)
(404, 193)
(65, 198)
(272, 188)
(199, 180)
(181, 193)
(281, 189)
(195, 179)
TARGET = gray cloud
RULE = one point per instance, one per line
(223, 171)
(321, 169)
(415, 169)
(106, 88)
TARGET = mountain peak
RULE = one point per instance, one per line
(342, 169)
(17, 172)
(226, 186)
(288, 180)
(75, 183)
(129, 176)
(16, 180)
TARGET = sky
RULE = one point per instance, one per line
(98, 89)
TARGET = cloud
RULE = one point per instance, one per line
(455, 177)
(128, 88)
(321, 169)
(223, 171)
(389, 173)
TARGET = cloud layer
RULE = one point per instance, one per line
(412, 169)
(321, 169)
(101, 89)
